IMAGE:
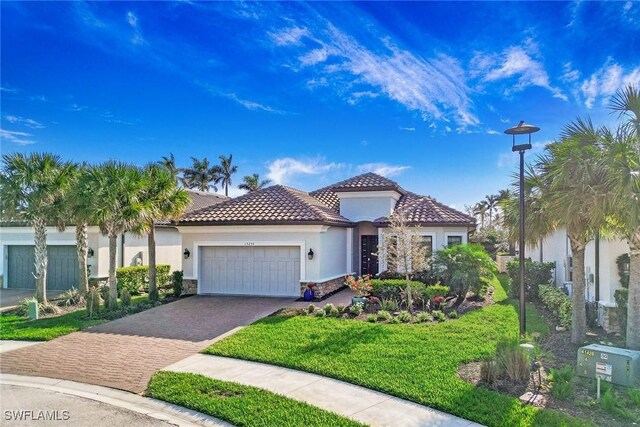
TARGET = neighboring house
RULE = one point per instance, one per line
(601, 270)
(277, 240)
(17, 250)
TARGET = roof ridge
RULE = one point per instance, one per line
(313, 206)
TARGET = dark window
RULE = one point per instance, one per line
(454, 240)
(427, 241)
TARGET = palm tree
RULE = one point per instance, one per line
(113, 189)
(623, 161)
(253, 183)
(226, 170)
(480, 209)
(491, 203)
(31, 189)
(575, 172)
(161, 199)
(201, 175)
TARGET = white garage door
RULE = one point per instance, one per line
(250, 270)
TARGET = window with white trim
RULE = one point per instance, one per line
(454, 240)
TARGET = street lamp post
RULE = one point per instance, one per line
(522, 128)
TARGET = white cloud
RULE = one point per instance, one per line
(606, 81)
(434, 87)
(493, 132)
(283, 169)
(289, 36)
(254, 106)
(8, 89)
(357, 96)
(628, 5)
(569, 74)
(383, 169)
(514, 62)
(132, 19)
(408, 129)
(23, 121)
(20, 138)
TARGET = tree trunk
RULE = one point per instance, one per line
(40, 241)
(113, 286)
(151, 243)
(579, 312)
(633, 306)
(82, 247)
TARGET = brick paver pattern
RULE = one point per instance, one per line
(124, 353)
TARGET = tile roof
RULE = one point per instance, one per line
(423, 210)
(201, 199)
(367, 182)
(277, 204)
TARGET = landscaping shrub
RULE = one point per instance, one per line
(334, 312)
(177, 282)
(328, 308)
(48, 308)
(340, 308)
(453, 314)
(493, 240)
(535, 274)
(320, 313)
(404, 316)
(557, 302)
(389, 304)
(356, 309)
(439, 315)
(371, 318)
(311, 308)
(634, 396)
(621, 297)
(383, 316)
(610, 403)
(489, 371)
(436, 291)
(623, 270)
(423, 317)
(394, 320)
(464, 268)
(513, 360)
(70, 297)
(393, 288)
(136, 278)
(562, 382)
(125, 298)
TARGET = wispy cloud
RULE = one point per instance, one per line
(254, 106)
(19, 138)
(408, 129)
(493, 132)
(434, 87)
(383, 169)
(284, 169)
(132, 20)
(23, 121)
(8, 89)
(606, 81)
(514, 63)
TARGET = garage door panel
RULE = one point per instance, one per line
(261, 270)
(62, 267)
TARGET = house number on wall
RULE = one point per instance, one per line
(249, 243)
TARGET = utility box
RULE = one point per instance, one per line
(33, 309)
(612, 364)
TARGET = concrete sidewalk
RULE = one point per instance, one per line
(114, 404)
(351, 401)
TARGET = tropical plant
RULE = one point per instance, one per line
(253, 183)
(491, 204)
(77, 210)
(114, 189)
(32, 189)
(160, 199)
(201, 175)
(623, 170)
(226, 170)
(480, 209)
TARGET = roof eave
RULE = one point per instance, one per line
(266, 222)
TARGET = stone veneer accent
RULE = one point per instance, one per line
(324, 288)
(610, 318)
(189, 286)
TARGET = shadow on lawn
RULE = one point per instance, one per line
(344, 340)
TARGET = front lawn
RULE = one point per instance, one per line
(15, 327)
(238, 404)
(417, 362)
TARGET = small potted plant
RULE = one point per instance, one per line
(361, 286)
(309, 293)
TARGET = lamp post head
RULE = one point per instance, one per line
(521, 128)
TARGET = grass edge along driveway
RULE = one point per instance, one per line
(417, 362)
(238, 404)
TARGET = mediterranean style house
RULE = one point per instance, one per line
(272, 242)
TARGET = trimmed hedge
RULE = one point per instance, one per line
(535, 274)
(136, 278)
(557, 302)
(393, 287)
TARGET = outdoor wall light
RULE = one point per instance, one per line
(310, 254)
(186, 253)
(90, 253)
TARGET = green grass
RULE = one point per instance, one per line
(13, 327)
(535, 322)
(238, 404)
(417, 362)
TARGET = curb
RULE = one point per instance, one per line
(152, 408)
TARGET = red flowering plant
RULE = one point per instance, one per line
(361, 286)
(437, 302)
(310, 286)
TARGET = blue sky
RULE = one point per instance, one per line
(308, 94)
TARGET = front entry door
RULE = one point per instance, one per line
(369, 261)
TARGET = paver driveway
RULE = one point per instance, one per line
(125, 353)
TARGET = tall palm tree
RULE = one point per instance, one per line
(201, 175)
(623, 161)
(491, 203)
(31, 189)
(480, 209)
(575, 171)
(226, 170)
(161, 199)
(114, 190)
(253, 183)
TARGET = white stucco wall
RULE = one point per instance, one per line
(328, 244)
(367, 205)
(168, 248)
(556, 247)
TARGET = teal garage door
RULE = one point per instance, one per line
(62, 269)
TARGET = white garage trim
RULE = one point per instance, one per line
(198, 244)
